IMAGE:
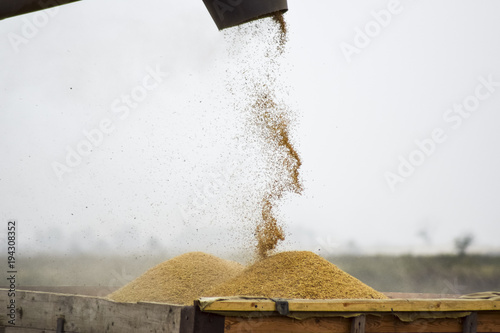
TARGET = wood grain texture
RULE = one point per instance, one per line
(39, 310)
(373, 324)
(488, 321)
(469, 323)
(387, 305)
(390, 323)
(25, 330)
(358, 324)
(287, 325)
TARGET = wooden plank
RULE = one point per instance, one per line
(60, 325)
(470, 323)
(196, 321)
(14, 329)
(488, 321)
(91, 314)
(99, 291)
(358, 324)
(419, 295)
(373, 324)
(390, 323)
(260, 305)
(287, 325)
(207, 322)
(188, 318)
(389, 305)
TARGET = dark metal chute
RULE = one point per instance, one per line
(10, 8)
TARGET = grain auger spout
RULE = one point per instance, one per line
(225, 13)
(10, 8)
(229, 13)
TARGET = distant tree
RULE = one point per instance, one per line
(462, 243)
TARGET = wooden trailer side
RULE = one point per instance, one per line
(41, 311)
(356, 316)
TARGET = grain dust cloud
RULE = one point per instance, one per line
(260, 96)
(260, 100)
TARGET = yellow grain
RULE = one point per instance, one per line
(179, 280)
(295, 274)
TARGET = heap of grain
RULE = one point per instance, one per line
(179, 280)
(296, 274)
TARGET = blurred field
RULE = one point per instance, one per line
(441, 274)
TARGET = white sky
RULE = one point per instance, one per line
(354, 121)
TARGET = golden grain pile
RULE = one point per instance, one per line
(179, 280)
(295, 274)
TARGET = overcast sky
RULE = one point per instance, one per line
(397, 109)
